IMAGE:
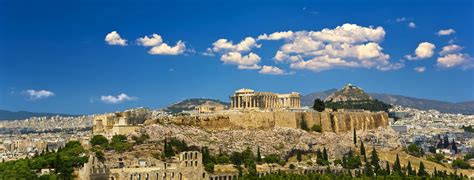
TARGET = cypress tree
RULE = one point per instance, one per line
(374, 160)
(409, 169)
(259, 157)
(355, 137)
(397, 168)
(387, 168)
(362, 151)
(165, 148)
(325, 154)
(421, 171)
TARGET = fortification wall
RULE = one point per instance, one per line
(329, 121)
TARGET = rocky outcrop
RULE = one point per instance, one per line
(329, 121)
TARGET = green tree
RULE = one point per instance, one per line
(387, 168)
(236, 158)
(421, 171)
(316, 128)
(99, 140)
(209, 167)
(397, 168)
(355, 137)
(325, 154)
(369, 172)
(374, 160)
(414, 150)
(119, 143)
(298, 156)
(459, 163)
(362, 150)
(259, 157)
(318, 105)
(410, 171)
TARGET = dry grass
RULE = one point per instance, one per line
(391, 156)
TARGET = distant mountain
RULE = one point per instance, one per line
(18, 115)
(191, 104)
(308, 100)
(425, 104)
(418, 103)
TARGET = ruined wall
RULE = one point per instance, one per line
(329, 121)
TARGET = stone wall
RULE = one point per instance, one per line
(329, 121)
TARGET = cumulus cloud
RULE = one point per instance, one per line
(37, 94)
(154, 40)
(453, 48)
(455, 60)
(165, 49)
(276, 36)
(113, 38)
(411, 25)
(349, 33)
(391, 66)
(346, 46)
(224, 45)
(232, 53)
(445, 32)
(423, 51)
(420, 69)
(271, 70)
(249, 61)
(110, 99)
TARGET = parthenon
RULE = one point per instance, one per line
(249, 99)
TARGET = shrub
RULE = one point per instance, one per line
(316, 128)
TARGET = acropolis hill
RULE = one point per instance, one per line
(251, 110)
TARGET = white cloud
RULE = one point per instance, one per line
(154, 40)
(271, 70)
(113, 38)
(412, 25)
(37, 94)
(423, 51)
(346, 46)
(276, 36)
(449, 49)
(165, 49)
(224, 45)
(453, 60)
(253, 66)
(109, 99)
(420, 69)
(391, 66)
(445, 32)
(350, 33)
(232, 53)
(244, 62)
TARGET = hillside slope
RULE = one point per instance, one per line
(418, 103)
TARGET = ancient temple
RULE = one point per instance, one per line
(249, 99)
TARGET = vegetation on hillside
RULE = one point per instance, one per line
(62, 162)
(370, 105)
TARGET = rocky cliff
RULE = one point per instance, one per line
(329, 121)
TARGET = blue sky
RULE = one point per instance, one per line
(55, 57)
